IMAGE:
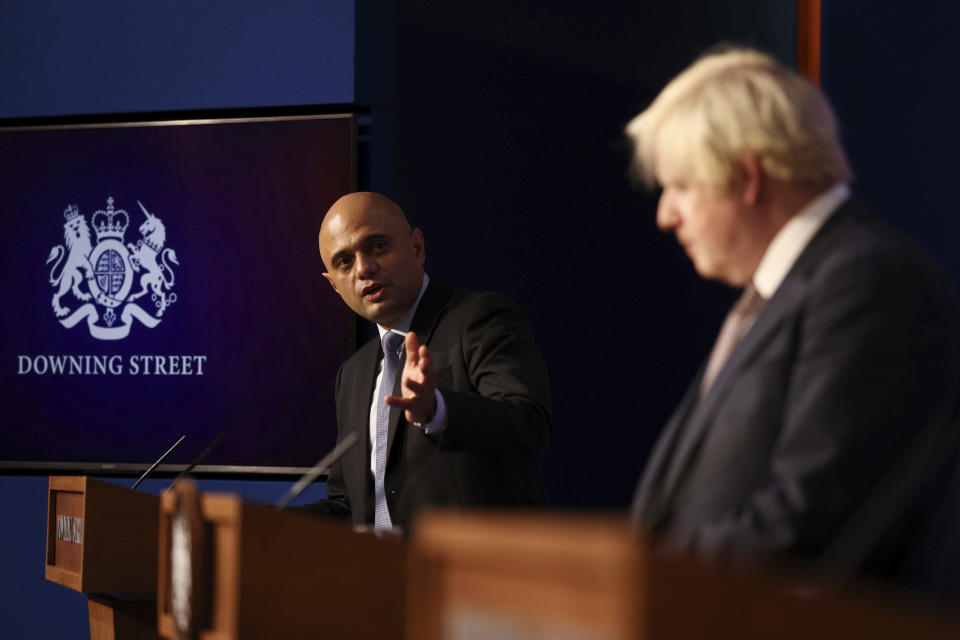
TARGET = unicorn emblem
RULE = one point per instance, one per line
(150, 255)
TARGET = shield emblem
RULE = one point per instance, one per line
(112, 273)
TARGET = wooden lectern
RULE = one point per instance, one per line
(498, 575)
(231, 569)
(102, 541)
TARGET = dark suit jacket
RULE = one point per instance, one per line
(853, 356)
(494, 383)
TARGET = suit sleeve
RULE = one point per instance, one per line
(874, 362)
(507, 409)
(336, 504)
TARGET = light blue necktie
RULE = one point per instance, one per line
(391, 365)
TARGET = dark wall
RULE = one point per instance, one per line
(891, 75)
(109, 56)
(509, 153)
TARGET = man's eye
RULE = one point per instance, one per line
(379, 245)
(343, 263)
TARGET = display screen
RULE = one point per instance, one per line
(162, 279)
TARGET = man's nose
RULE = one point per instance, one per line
(366, 266)
(666, 213)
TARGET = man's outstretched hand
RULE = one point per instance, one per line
(417, 383)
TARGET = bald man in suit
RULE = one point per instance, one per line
(469, 415)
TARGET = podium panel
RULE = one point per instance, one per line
(540, 576)
(526, 576)
(231, 569)
(101, 538)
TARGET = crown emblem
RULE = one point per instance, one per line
(71, 212)
(111, 223)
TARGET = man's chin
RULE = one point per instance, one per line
(705, 270)
(382, 315)
(385, 312)
(726, 277)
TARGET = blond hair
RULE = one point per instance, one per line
(726, 105)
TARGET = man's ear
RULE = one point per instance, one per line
(753, 179)
(416, 239)
(330, 280)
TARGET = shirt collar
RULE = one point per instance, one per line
(793, 238)
(402, 326)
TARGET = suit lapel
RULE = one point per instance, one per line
(782, 305)
(432, 304)
(424, 321)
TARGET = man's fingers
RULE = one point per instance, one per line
(413, 343)
(400, 403)
(417, 374)
(412, 346)
(413, 360)
(425, 361)
(419, 388)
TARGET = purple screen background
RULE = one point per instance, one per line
(241, 202)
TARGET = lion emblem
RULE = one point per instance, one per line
(77, 269)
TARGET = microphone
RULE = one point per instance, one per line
(156, 464)
(198, 459)
(342, 447)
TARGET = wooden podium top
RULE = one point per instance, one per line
(536, 576)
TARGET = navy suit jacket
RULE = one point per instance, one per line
(853, 356)
(494, 384)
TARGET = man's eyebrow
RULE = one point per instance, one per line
(373, 237)
(365, 241)
(339, 254)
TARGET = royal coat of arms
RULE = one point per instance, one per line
(110, 277)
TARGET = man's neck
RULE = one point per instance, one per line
(787, 199)
(402, 324)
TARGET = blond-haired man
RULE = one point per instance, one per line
(841, 350)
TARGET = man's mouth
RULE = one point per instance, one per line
(373, 292)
